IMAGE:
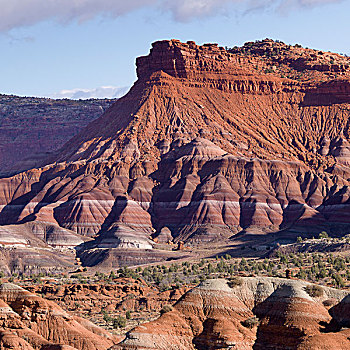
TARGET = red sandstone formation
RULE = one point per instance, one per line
(207, 143)
(258, 313)
(28, 322)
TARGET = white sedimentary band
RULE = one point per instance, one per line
(110, 203)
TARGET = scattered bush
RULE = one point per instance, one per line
(314, 291)
(323, 234)
(250, 322)
(235, 282)
(106, 317)
(165, 309)
(119, 322)
(338, 280)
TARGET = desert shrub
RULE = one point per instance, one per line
(165, 309)
(106, 317)
(128, 315)
(338, 280)
(235, 282)
(164, 286)
(250, 322)
(323, 234)
(314, 291)
(119, 322)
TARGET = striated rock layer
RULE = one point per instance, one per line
(257, 313)
(207, 143)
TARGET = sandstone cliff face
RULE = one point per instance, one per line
(258, 313)
(29, 322)
(207, 143)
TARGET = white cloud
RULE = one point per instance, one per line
(84, 94)
(19, 13)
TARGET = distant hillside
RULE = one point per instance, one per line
(31, 127)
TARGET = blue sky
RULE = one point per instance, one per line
(46, 50)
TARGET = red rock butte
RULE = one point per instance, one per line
(208, 145)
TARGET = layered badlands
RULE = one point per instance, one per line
(260, 313)
(251, 313)
(208, 143)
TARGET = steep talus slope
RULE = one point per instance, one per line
(256, 313)
(30, 322)
(208, 143)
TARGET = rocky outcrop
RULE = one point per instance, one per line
(206, 144)
(294, 61)
(248, 313)
(117, 296)
(31, 322)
